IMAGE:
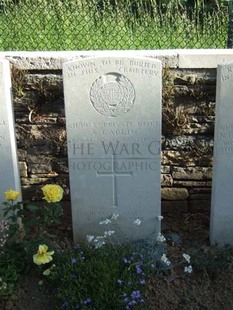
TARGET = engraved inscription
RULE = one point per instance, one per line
(113, 119)
(2, 134)
(225, 77)
(225, 136)
(2, 122)
(225, 220)
(112, 95)
(124, 216)
(80, 148)
(134, 66)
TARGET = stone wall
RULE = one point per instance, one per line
(189, 81)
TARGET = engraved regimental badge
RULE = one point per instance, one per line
(112, 94)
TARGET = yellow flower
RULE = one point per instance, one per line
(43, 256)
(52, 193)
(11, 195)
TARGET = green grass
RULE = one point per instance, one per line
(83, 25)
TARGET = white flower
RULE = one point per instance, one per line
(105, 222)
(99, 238)
(160, 238)
(114, 216)
(99, 241)
(99, 244)
(159, 217)
(109, 233)
(187, 257)
(188, 269)
(137, 222)
(90, 238)
(165, 259)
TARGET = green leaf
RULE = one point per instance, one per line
(20, 213)
(5, 212)
(47, 272)
(57, 210)
(6, 204)
(32, 207)
(13, 218)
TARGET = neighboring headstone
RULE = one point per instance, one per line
(9, 172)
(221, 225)
(113, 117)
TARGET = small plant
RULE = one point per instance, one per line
(4, 230)
(25, 230)
(109, 277)
(36, 219)
(103, 274)
(18, 78)
(46, 92)
(99, 274)
(174, 119)
(211, 260)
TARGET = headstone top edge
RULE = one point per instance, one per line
(154, 60)
(5, 70)
(225, 64)
(4, 60)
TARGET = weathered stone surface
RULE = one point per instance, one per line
(200, 196)
(183, 158)
(113, 117)
(191, 183)
(49, 79)
(21, 154)
(187, 143)
(199, 58)
(174, 193)
(174, 206)
(166, 180)
(9, 171)
(49, 60)
(199, 205)
(60, 165)
(38, 159)
(41, 146)
(35, 180)
(32, 192)
(192, 173)
(23, 169)
(39, 168)
(221, 224)
(200, 191)
(186, 79)
(186, 76)
(165, 169)
(198, 129)
(186, 158)
(44, 135)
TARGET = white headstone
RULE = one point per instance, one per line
(221, 224)
(113, 117)
(9, 172)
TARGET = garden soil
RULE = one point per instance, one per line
(199, 290)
